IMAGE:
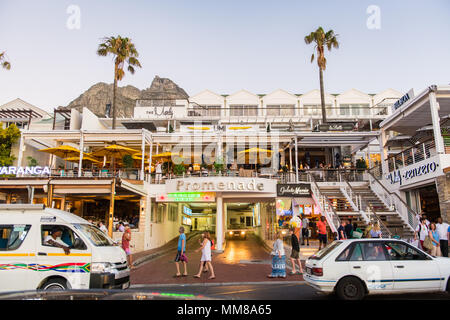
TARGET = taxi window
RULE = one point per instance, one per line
(368, 251)
(325, 251)
(12, 236)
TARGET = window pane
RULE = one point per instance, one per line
(273, 110)
(12, 236)
(401, 251)
(373, 251)
(357, 254)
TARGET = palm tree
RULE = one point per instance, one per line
(322, 39)
(5, 64)
(124, 51)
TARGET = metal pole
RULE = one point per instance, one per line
(80, 162)
(296, 160)
(438, 140)
(143, 155)
(150, 160)
(111, 208)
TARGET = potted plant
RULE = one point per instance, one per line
(179, 169)
(32, 162)
(128, 161)
(218, 165)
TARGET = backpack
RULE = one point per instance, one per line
(212, 245)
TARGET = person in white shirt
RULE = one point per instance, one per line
(278, 258)
(421, 231)
(158, 171)
(427, 222)
(54, 240)
(102, 227)
(442, 229)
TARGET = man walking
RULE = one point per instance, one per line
(295, 252)
(126, 238)
(322, 231)
(341, 231)
(305, 230)
(442, 229)
(181, 250)
(348, 229)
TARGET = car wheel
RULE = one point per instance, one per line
(55, 285)
(350, 289)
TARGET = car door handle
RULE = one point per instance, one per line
(400, 267)
(356, 267)
(42, 254)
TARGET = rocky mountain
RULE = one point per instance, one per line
(99, 95)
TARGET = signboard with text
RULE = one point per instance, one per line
(294, 190)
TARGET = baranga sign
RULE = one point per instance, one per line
(25, 170)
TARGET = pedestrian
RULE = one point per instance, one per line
(126, 238)
(121, 227)
(102, 227)
(295, 252)
(322, 231)
(421, 232)
(348, 229)
(434, 236)
(427, 222)
(442, 229)
(278, 258)
(158, 171)
(341, 231)
(375, 232)
(305, 230)
(181, 256)
(206, 256)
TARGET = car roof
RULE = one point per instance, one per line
(19, 210)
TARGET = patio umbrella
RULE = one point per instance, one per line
(258, 152)
(63, 152)
(85, 158)
(165, 156)
(114, 151)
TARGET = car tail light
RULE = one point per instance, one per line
(317, 272)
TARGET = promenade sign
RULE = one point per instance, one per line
(221, 184)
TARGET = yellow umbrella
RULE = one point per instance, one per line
(260, 153)
(114, 151)
(62, 151)
(165, 155)
(85, 158)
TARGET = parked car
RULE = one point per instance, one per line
(28, 262)
(354, 268)
(237, 234)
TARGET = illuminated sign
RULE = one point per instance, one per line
(237, 185)
(187, 211)
(187, 221)
(25, 170)
(187, 197)
(294, 190)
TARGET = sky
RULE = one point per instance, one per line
(223, 46)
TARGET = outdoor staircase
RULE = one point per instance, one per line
(365, 202)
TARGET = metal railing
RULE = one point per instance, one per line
(326, 206)
(375, 219)
(412, 155)
(393, 201)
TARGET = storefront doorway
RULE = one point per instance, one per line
(426, 200)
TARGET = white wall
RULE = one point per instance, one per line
(90, 121)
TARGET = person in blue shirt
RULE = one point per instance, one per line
(434, 236)
(181, 253)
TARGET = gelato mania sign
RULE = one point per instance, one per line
(25, 170)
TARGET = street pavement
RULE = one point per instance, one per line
(242, 261)
(241, 273)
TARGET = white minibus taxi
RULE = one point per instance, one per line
(30, 260)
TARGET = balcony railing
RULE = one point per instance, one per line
(412, 155)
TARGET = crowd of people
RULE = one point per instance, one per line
(432, 237)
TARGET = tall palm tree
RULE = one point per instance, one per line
(322, 39)
(124, 51)
(5, 64)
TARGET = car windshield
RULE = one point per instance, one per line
(95, 235)
(325, 251)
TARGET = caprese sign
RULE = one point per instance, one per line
(402, 177)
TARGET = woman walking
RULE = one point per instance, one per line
(375, 232)
(206, 256)
(278, 258)
(434, 236)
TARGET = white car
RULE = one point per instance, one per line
(28, 262)
(357, 267)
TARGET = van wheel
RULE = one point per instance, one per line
(350, 289)
(55, 285)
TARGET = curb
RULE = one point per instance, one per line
(214, 284)
(161, 253)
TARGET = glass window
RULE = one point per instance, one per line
(67, 238)
(173, 212)
(12, 236)
(402, 251)
(325, 251)
(281, 110)
(160, 213)
(95, 235)
(368, 251)
(243, 110)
